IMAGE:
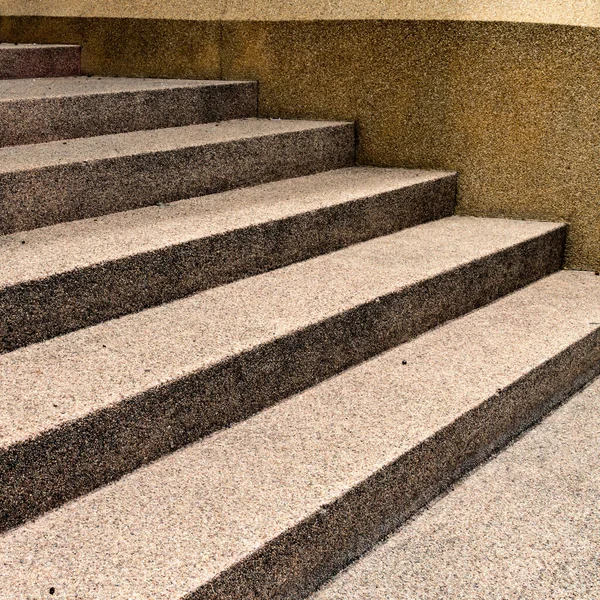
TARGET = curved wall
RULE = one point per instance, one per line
(562, 12)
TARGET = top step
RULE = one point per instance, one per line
(34, 111)
(24, 61)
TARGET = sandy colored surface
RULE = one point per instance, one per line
(64, 87)
(510, 107)
(85, 408)
(564, 12)
(172, 527)
(72, 246)
(129, 47)
(51, 154)
(190, 334)
(35, 111)
(524, 526)
(54, 182)
(61, 278)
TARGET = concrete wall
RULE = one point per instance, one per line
(564, 12)
(515, 108)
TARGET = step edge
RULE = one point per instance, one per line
(157, 396)
(312, 126)
(227, 584)
(436, 177)
(199, 85)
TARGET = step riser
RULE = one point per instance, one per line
(36, 121)
(65, 463)
(64, 303)
(306, 556)
(35, 198)
(21, 62)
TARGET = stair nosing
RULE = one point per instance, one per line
(170, 84)
(7, 170)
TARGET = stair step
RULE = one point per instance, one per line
(48, 183)
(83, 409)
(43, 110)
(525, 525)
(20, 61)
(61, 278)
(274, 505)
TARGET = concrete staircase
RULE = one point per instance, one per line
(232, 361)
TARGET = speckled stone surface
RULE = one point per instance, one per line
(509, 106)
(18, 61)
(60, 278)
(43, 184)
(84, 408)
(129, 47)
(524, 526)
(274, 505)
(33, 111)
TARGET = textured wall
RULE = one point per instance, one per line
(566, 12)
(514, 108)
(136, 47)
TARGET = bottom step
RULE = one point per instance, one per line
(526, 525)
(275, 505)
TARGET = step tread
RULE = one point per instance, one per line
(126, 356)
(525, 525)
(39, 253)
(60, 87)
(85, 150)
(172, 526)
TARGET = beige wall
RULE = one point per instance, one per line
(566, 12)
(514, 108)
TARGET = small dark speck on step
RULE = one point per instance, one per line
(104, 345)
(52, 590)
(22, 241)
(597, 273)
(404, 362)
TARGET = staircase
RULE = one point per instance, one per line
(231, 360)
